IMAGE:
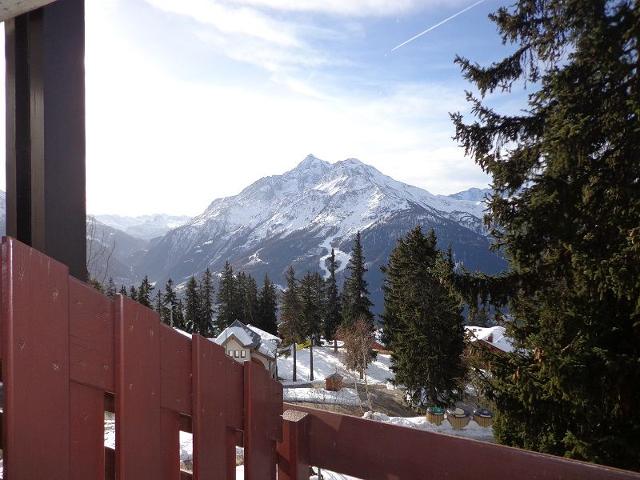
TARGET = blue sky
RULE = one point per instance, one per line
(189, 100)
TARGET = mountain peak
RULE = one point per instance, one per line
(311, 161)
(473, 194)
(354, 162)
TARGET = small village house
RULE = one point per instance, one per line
(246, 342)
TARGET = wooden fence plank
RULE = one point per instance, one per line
(170, 427)
(293, 459)
(138, 429)
(210, 451)
(35, 337)
(87, 433)
(234, 383)
(91, 342)
(263, 406)
(175, 365)
(380, 451)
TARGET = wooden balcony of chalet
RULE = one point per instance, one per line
(69, 353)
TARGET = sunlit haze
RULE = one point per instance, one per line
(190, 100)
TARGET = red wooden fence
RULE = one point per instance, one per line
(65, 348)
(376, 451)
(69, 353)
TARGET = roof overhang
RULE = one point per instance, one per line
(13, 8)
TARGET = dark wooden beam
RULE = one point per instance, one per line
(45, 99)
(13, 8)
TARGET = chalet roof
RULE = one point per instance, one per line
(243, 334)
(495, 336)
(268, 343)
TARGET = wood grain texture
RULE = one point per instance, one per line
(92, 341)
(87, 433)
(35, 337)
(209, 411)
(262, 406)
(138, 417)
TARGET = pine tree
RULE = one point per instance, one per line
(123, 291)
(311, 309)
(205, 296)
(355, 297)
(96, 284)
(333, 315)
(249, 300)
(159, 301)
(169, 313)
(394, 276)
(133, 293)
(291, 329)
(423, 320)
(192, 306)
(565, 212)
(267, 307)
(227, 300)
(178, 316)
(240, 291)
(111, 290)
(144, 292)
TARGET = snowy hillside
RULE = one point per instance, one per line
(326, 362)
(297, 217)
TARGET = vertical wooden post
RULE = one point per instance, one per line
(35, 364)
(263, 422)
(210, 452)
(138, 413)
(87, 432)
(293, 460)
(170, 433)
(45, 126)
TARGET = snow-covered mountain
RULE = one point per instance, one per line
(296, 218)
(144, 226)
(112, 253)
(472, 194)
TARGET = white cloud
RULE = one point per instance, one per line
(273, 58)
(174, 146)
(159, 143)
(232, 20)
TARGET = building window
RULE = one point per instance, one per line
(243, 354)
(235, 354)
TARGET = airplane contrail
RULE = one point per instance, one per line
(437, 25)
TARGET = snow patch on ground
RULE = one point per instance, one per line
(472, 430)
(327, 362)
(346, 396)
(341, 257)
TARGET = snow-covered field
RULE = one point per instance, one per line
(346, 396)
(472, 430)
(326, 362)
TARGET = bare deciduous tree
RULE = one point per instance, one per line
(358, 341)
(100, 248)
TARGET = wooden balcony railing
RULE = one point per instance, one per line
(372, 450)
(69, 353)
(65, 347)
